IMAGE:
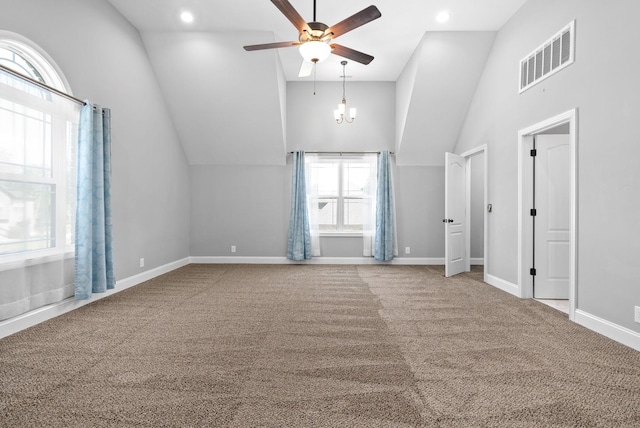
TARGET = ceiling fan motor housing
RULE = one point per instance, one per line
(317, 32)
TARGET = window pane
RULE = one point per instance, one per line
(324, 178)
(18, 63)
(327, 213)
(353, 214)
(26, 216)
(25, 140)
(356, 177)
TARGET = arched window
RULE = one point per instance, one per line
(38, 131)
(38, 139)
(23, 56)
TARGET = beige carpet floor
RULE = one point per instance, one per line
(316, 346)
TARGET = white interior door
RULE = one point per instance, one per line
(454, 212)
(553, 216)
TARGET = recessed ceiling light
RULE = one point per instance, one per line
(186, 17)
(443, 16)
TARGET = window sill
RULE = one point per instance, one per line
(21, 260)
(340, 234)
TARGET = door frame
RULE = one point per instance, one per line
(525, 190)
(467, 156)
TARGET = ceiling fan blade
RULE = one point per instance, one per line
(351, 54)
(292, 14)
(305, 69)
(354, 21)
(270, 46)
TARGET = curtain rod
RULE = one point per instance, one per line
(343, 153)
(42, 85)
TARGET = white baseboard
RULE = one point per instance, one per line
(317, 260)
(503, 285)
(238, 260)
(606, 328)
(29, 319)
(475, 261)
(151, 273)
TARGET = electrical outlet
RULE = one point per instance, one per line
(233, 248)
(636, 314)
(407, 250)
(142, 262)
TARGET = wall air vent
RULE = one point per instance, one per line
(551, 57)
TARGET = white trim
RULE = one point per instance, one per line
(419, 261)
(613, 331)
(503, 285)
(474, 151)
(238, 260)
(524, 219)
(37, 316)
(476, 261)
(152, 273)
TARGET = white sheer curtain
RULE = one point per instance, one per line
(38, 136)
(313, 185)
(369, 208)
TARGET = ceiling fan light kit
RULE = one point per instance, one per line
(314, 39)
(315, 51)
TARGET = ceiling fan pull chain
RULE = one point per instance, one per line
(315, 65)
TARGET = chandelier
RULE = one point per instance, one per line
(339, 114)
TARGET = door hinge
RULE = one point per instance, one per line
(534, 152)
(532, 271)
(534, 212)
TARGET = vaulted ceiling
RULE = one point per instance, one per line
(207, 78)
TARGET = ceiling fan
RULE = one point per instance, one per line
(315, 37)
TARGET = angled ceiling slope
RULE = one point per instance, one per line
(447, 68)
(226, 105)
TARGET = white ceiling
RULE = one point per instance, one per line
(391, 39)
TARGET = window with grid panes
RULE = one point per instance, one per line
(38, 130)
(340, 192)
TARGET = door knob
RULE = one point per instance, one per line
(450, 221)
(447, 220)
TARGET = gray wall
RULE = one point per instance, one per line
(603, 85)
(104, 60)
(243, 205)
(420, 210)
(248, 205)
(310, 122)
